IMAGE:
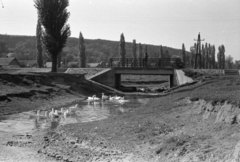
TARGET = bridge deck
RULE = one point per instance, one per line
(155, 63)
(143, 71)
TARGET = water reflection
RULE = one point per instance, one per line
(86, 112)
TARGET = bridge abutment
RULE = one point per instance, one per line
(117, 80)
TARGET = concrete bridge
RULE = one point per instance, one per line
(111, 75)
(129, 66)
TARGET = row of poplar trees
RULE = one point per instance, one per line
(140, 54)
(205, 57)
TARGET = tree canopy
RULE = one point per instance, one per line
(53, 16)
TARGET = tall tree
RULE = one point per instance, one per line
(209, 56)
(59, 60)
(183, 54)
(53, 16)
(122, 50)
(161, 52)
(193, 51)
(213, 57)
(82, 55)
(134, 49)
(140, 52)
(206, 56)
(39, 45)
(221, 56)
(203, 57)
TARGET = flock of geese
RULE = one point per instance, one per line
(69, 111)
(57, 113)
(95, 99)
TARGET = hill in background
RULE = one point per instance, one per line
(25, 48)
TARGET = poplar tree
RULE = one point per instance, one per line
(203, 57)
(192, 49)
(59, 60)
(183, 54)
(207, 56)
(82, 55)
(140, 52)
(161, 52)
(122, 50)
(134, 49)
(53, 16)
(221, 50)
(39, 45)
(213, 57)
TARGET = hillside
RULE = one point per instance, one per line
(96, 49)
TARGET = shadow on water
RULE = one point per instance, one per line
(83, 112)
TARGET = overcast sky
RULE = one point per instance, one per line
(158, 22)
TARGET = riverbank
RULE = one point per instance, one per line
(198, 122)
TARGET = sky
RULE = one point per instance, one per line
(159, 22)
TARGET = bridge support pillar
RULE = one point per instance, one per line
(171, 81)
(117, 80)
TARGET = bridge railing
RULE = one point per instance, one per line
(142, 63)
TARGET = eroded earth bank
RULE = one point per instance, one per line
(197, 122)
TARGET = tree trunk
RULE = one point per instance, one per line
(59, 59)
(54, 62)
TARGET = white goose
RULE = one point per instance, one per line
(54, 113)
(90, 99)
(95, 98)
(119, 97)
(66, 113)
(111, 98)
(39, 116)
(73, 107)
(122, 101)
(104, 97)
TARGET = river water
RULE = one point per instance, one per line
(83, 112)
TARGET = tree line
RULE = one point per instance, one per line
(53, 31)
(204, 57)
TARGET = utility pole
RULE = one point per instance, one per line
(198, 59)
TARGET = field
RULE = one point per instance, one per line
(197, 122)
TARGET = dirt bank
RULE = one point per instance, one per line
(31, 92)
(198, 122)
(176, 127)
